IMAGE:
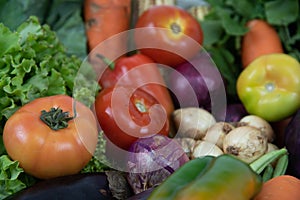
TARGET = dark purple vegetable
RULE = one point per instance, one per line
(233, 113)
(153, 159)
(292, 143)
(93, 186)
(197, 83)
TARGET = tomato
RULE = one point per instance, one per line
(139, 71)
(126, 114)
(169, 34)
(47, 151)
(270, 86)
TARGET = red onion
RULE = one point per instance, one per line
(153, 159)
(197, 83)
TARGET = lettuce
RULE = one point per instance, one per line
(9, 177)
(63, 16)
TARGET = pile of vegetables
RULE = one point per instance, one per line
(171, 101)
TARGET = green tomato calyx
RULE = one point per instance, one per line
(55, 118)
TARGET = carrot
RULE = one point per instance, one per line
(261, 39)
(279, 188)
(105, 19)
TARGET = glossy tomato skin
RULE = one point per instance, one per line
(169, 34)
(46, 153)
(139, 71)
(270, 86)
(125, 114)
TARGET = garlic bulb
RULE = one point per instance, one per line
(204, 148)
(192, 122)
(246, 142)
(261, 124)
(216, 133)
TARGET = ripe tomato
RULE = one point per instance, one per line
(270, 86)
(169, 34)
(139, 71)
(44, 152)
(126, 114)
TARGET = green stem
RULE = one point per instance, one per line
(56, 119)
(107, 61)
(260, 164)
(281, 166)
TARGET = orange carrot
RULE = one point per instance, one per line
(279, 188)
(104, 19)
(261, 39)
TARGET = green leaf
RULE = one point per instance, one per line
(9, 174)
(232, 26)
(8, 40)
(282, 12)
(244, 8)
(212, 31)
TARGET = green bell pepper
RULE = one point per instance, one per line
(210, 178)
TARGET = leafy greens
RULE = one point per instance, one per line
(63, 16)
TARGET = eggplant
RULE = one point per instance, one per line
(292, 144)
(80, 186)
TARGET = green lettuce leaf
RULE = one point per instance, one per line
(9, 177)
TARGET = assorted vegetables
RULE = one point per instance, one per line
(178, 108)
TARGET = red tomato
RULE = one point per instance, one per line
(170, 34)
(126, 114)
(139, 71)
(44, 152)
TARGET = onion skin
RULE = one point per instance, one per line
(234, 113)
(246, 143)
(217, 132)
(192, 122)
(153, 159)
(188, 86)
(261, 124)
(292, 143)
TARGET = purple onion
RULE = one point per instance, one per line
(233, 113)
(194, 83)
(152, 160)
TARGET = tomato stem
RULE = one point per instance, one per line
(107, 61)
(56, 119)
